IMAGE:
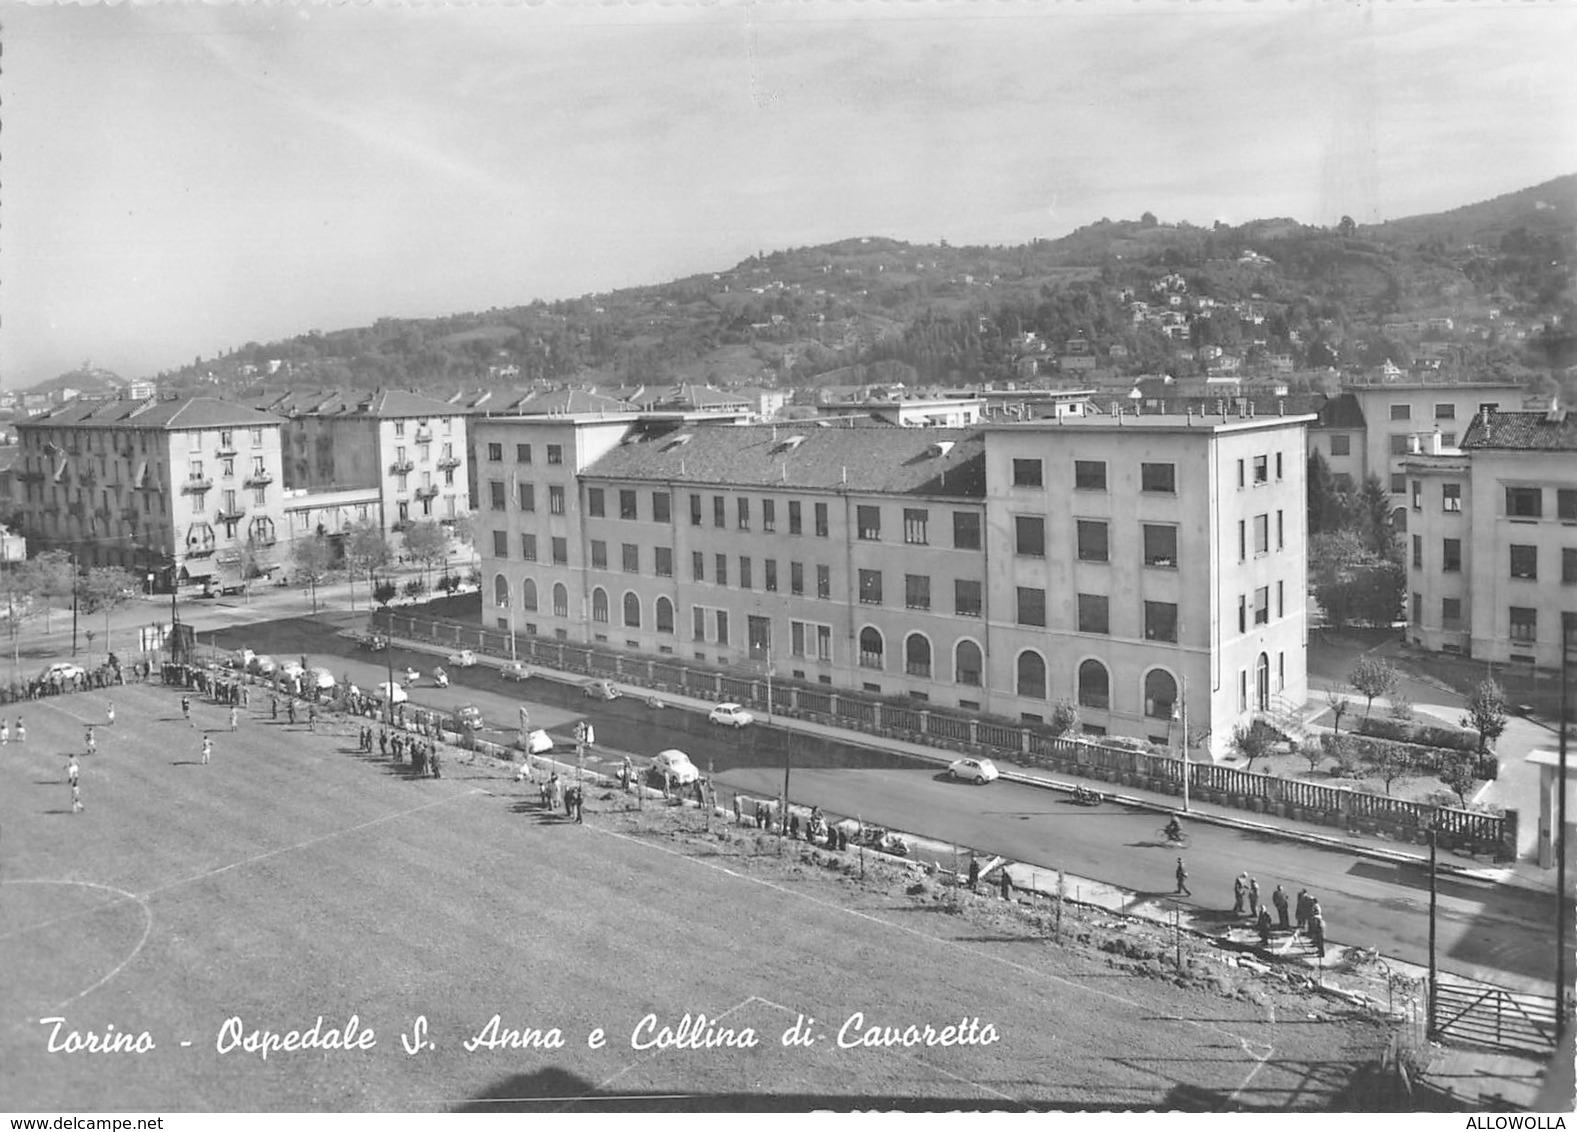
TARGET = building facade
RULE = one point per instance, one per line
(181, 490)
(996, 569)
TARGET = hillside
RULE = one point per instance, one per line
(1485, 288)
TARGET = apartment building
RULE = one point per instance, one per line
(184, 490)
(1492, 544)
(994, 569)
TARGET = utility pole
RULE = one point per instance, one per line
(1568, 627)
(1181, 714)
(1434, 975)
(74, 589)
(388, 654)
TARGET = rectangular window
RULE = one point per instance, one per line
(1445, 411)
(824, 583)
(966, 530)
(1398, 483)
(522, 453)
(1566, 504)
(1261, 469)
(528, 496)
(560, 552)
(630, 558)
(1418, 495)
(495, 495)
(1029, 536)
(1089, 475)
(695, 510)
(1524, 624)
(1399, 443)
(1160, 546)
(1160, 621)
(1242, 475)
(795, 519)
(745, 578)
(528, 547)
(870, 587)
(495, 452)
(722, 626)
(1242, 540)
(1451, 555)
(742, 511)
(665, 561)
(1094, 613)
(660, 507)
(1281, 599)
(596, 503)
(769, 581)
(627, 505)
(1031, 606)
(720, 569)
(1401, 412)
(599, 554)
(698, 623)
(501, 544)
(556, 500)
(1281, 531)
(769, 515)
(1451, 497)
(1262, 605)
(868, 521)
(1092, 541)
(1026, 473)
(1161, 478)
(555, 453)
(1451, 613)
(917, 591)
(1524, 562)
(1278, 467)
(915, 521)
(821, 520)
(697, 566)
(719, 511)
(824, 643)
(1341, 445)
(1418, 551)
(1568, 565)
(797, 638)
(1524, 502)
(967, 601)
(1242, 613)
(796, 578)
(1417, 615)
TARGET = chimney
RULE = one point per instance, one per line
(1415, 444)
(1435, 445)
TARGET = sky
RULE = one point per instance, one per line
(179, 180)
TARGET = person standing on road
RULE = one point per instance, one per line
(1239, 891)
(434, 761)
(1253, 896)
(273, 707)
(1182, 880)
(186, 708)
(1302, 908)
(312, 717)
(21, 732)
(76, 799)
(93, 743)
(109, 714)
(72, 769)
(1007, 884)
(235, 715)
(208, 748)
(1262, 924)
(1279, 899)
(974, 872)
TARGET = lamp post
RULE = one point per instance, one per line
(1568, 629)
(388, 653)
(74, 589)
(1434, 976)
(1180, 715)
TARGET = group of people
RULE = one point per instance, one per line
(1309, 917)
(58, 683)
(426, 759)
(552, 793)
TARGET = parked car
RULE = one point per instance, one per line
(600, 690)
(468, 717)
(64, 669)
(978, 771)
(293, 670)
(319, 678)
(264, 665)
(539, 742)
(514, 670)
(465, 658)
(242, 659)
(374, 642)
(392, 693)
(730, 715)
(675, 764)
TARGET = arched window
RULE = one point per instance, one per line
(665, 615)
(1160, 693)
(1262, 683)
(1031, 675)
(870, 647)
(917, 655)
(968, 665)
(599, 605)
(632, 611)
(1095, 685)
(560, 600)
(528, 594)
(500, 591)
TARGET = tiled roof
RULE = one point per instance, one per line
(169, 416)
(1525, 431)
(880, 461)
(565, 401)
(383, 403)
(1342, 411)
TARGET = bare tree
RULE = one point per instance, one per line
(1390, 762)
(428, 543)
(1251, 742)
(1372, 678)
(309, 557)
(367, 551)
(106, 589)
(1339, 705)
(1486, 713)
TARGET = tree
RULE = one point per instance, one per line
(107, 588)
(19, 587)
(1064, 718)
(1339, 705)
(1325, 502)
(52, 575)
(1352, 583)
(1390, 762)
(427, 542)
(309, 557)
(1252, 742)
(384, 592)
(464, 530)
(1347, 226)
(1372, 517)
(1371, 678)
(1486, 714)
(1459, 771)
(367, 551)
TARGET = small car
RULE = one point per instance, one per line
(465, 658)
(978, 771)
(675, 765)
(293, 670)
(468, 717)
(600, 690)
(264, 665)
(242, 659)
(392, 693)
(514, 670)
(538, 742)
(320, 678)
(374, 642)
(730, 715)
(64, 669)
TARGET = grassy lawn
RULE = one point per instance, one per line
(293, 878)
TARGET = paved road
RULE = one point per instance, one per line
(1499, 933)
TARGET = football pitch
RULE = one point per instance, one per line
(299, 926)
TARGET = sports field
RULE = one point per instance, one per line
(293, 878)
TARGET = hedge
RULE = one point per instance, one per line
(1419, 734)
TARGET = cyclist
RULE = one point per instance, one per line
(1174, 829)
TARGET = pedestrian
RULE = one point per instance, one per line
(739, 811)
(1182, 879)
(1263, 924)
(5, 733)
(312, 717)
(21, 732)
(208, 748)
(1317, 931)
(72, 770)
(383, 743)
(434, 761)
(1302, 908)
(843, 839)
(523, 772)
(235, 714)
(290, 710)
(1279, 899)
(1007, 884)
(974, 872)
(186, 708)
(109, 713)
(273, 707)
(76, 799)
(758, 815)
(1253, 896)
(1239, 892)
(93, 743)
(580, 796)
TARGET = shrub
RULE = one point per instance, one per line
(414, 588)
(1401, 708)
(1422, 734)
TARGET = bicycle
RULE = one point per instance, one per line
(1180, 839)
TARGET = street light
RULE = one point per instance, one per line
(1180, 714)
(1568, 630)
